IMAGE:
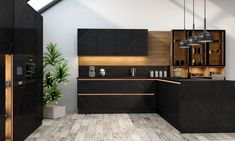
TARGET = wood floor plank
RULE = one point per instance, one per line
(90, 136)
(117, 136)
(99, 134)
(108, 135)
(81, 133)
(124, 127)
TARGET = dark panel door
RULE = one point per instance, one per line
(139, 42)
(6, 26)
(25, 97)
(115, 86)
(6, 42)
(24, 24)
(105, 42)
(123, 42)
(86, 42)
(2, 97)
(25, 92)
(24, 108)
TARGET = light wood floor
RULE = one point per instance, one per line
(117, 127)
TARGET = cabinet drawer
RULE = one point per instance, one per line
(115, 86)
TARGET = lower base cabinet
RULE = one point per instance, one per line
(116, 104)
(116, 96)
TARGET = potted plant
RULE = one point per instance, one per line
(55, 73)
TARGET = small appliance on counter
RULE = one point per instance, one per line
(91, 71)
(102, 72)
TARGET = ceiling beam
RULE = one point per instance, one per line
(43, 9)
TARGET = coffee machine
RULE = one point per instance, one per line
(91, 71)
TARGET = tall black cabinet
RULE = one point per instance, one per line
(21, 37)
(6, 42)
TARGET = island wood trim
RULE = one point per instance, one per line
(169, 81)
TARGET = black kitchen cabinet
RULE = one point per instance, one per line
(139, 40)
(105, 42)
(86, 42)
(116, 86)
(120, 96)
(21, 37)
(6, 26)
(112, 42)
(25, 28)
(167, 100)
(123, 42)
(27, 105)
(24, 110)
(197, 106)
(6, 42)
(116, 104)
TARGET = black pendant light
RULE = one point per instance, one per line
(184, 42)
(193, 40)
(205, 36)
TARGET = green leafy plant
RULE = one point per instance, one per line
(55, 69)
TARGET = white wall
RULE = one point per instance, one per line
(62, 20)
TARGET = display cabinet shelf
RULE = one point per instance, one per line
(206, 54)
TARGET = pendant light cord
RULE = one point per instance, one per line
(193, 18)
(205, 15)
(184, 22)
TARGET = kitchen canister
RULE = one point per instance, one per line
(156, 74)
(165, 74)
(151, 73)
(160, 74)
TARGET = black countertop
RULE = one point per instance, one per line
(172, 80)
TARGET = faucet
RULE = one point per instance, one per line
(133, 72)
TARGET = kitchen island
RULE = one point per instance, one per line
(197, 105)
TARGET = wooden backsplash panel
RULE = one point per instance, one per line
(159, 43)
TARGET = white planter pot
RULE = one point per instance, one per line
(54, 111)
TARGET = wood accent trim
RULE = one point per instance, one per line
(169, 81)
(117, 94)
(159, 44)
(9, 97)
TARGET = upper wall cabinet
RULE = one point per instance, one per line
(206, 54)
(6, 26)
(25, 28)
(112, 42)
